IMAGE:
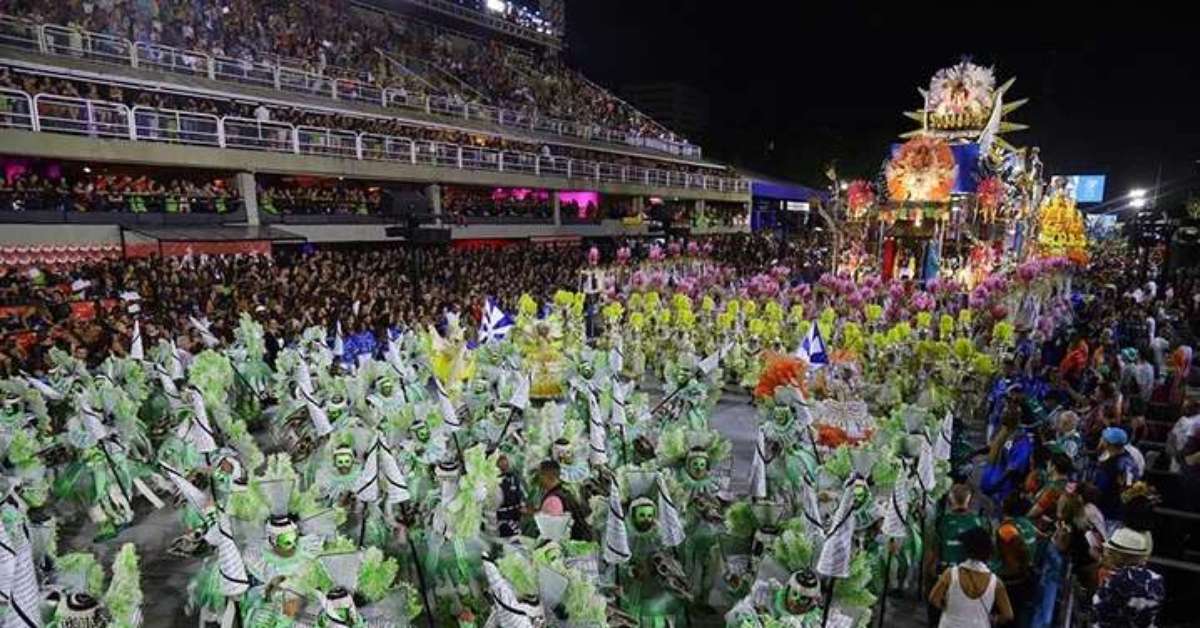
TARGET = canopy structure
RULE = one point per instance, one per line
(212, 240)
(763, 187)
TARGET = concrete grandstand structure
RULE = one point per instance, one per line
(96, 98)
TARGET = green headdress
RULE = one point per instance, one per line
(79, 572)
(212, 373)
(480, 480)
(124, 596)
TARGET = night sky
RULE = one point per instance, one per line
(1109, 93)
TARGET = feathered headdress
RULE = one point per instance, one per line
(780, 370)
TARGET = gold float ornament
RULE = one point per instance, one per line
(923, 170)
(1060, 228)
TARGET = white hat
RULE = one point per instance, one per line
(1129, 541)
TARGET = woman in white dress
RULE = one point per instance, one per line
(969, 594)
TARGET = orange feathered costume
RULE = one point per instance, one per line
(780, 370)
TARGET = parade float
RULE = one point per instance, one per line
(1060, 225)
(955, 197)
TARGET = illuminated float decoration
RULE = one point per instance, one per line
(955, 183)
(1061, 229)
(922, 170)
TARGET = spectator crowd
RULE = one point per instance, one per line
(26, 191)
(167, 127)
(1091, 465)
(336, 39)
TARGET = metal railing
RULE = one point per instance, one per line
(241, 71)
(176, 127)
(101, 119)
(80, 116)
(16, 110)
(327, 142)
(76, 42)
(168, 59)
(19, 33)
(251, 134)
(286, 75)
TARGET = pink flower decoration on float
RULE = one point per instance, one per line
(656, 253)
(996, 283)
(999, 312)
(978, 298)
(922, 301)
(687, 285)
(623, 255)
(708, 248)
(638, 280)
(593, 256)
(780, 271)
(1027, 272)
(674, 248)
(658, 279)
(693, 248)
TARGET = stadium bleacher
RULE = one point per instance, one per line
(349, 52)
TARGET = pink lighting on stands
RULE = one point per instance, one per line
(587, 201)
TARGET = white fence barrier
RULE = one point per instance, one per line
(101, 119)
(73, 41)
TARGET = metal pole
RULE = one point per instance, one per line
(412, 548)
(887, 583)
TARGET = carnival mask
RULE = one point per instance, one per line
(697, 466)
(645, 516)
(343, 460)
(551, 553)
(562, 451)
(533, 610)
(421, 432)
(337, 407)
(285, 543)
(803, 592)
(35, 494)
(387, 387)
(862, 493)
(782, 415)
(586, 370)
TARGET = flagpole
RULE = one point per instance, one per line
(412, 548)
(887, 583)
(512, 413)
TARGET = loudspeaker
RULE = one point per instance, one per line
(1184, 250)
(430, 235)
(403, 202)
(679, 232)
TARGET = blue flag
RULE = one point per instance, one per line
(495, 324)
(812, 348)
